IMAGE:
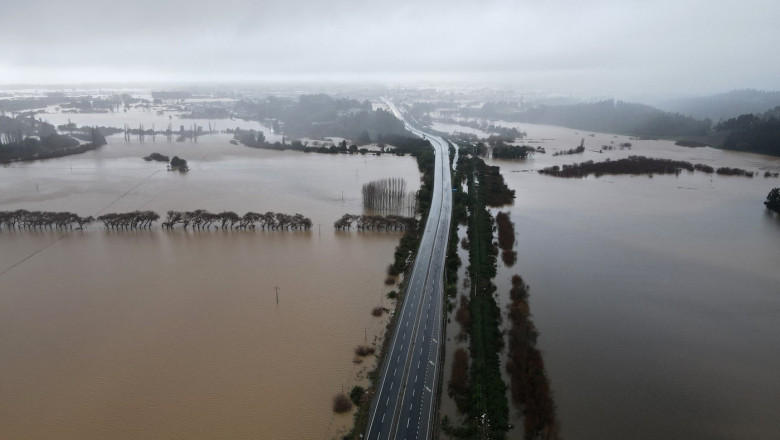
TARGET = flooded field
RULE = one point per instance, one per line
(177, 334)
(656, 298)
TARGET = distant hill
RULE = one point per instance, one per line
(755, 133)
(608, 116)
(724, 105)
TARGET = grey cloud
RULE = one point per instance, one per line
(606, 46)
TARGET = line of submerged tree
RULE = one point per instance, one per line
(506, 238)
(375, 222)
(389, 195)
(642, 165)
(198, 219)
(530, 387)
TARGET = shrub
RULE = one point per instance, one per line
(364, 350)
(356, 394)
(341, 404)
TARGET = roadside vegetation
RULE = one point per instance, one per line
(485, 403)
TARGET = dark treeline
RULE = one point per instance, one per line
(497, 132)
(322, 115)
(24, 138)
(484, 402)
(23, 219)
(96, 135)
(399, 145)
(389, 195)
(631, 165)
(726, 171)
(530, 387)
(503, 151)
(492, 187)
(506, 238)
(606, 116)
(375, 222)
(202, 219)
(256, 139)
(773, 200)
(758, 134)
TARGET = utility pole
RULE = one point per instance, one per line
(277, 294)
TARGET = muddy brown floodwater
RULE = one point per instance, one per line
(177, 334)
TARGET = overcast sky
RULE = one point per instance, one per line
(625, 47)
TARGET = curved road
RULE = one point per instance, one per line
(403, 404)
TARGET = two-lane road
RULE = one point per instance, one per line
(403, 404)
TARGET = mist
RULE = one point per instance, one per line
(624, 48)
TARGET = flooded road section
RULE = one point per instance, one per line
(177, 334)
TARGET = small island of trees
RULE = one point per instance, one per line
(637, 165)
(157, 157)
(24, 138)
(773, 200)
(179, 164)
(578, 150)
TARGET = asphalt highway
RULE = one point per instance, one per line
(403, 405)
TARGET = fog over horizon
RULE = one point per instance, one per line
(596, 47)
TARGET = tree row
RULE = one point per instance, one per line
(375, 222)
(198, 219)
(24, 219)
(202, 219)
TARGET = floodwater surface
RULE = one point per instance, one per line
(178, 334)
(657, 298)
